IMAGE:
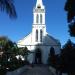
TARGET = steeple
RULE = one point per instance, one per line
(39, 13)
(39, 27)
(39, 3)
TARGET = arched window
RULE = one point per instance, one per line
(41, 35)
(37, 18)
(40, 18)
(36, 35)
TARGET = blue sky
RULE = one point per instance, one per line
(17, 29)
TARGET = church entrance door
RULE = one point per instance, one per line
(38, 56)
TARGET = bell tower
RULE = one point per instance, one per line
(39, 27)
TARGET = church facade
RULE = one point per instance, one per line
(39, 41)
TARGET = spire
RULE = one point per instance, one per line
(39, 3)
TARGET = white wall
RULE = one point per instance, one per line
(45, 52)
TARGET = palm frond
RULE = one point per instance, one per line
(8, 6)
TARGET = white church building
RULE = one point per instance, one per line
(39, 41)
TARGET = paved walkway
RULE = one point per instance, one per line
(38, 70)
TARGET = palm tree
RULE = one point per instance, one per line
(8, 7)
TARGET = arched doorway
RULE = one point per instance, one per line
(38, 56)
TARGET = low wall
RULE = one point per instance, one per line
(18, 71)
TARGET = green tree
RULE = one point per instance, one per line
(70, 9)
(8, 7)
(9, 51)
(68, 58)
(24, 52)
(72, 29)
(5, 47)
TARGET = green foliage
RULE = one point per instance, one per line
(72, 29)
(70, 9)
(9, 51)
(2, 71)
(68, 57)
(8, 6)
(24, 52)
